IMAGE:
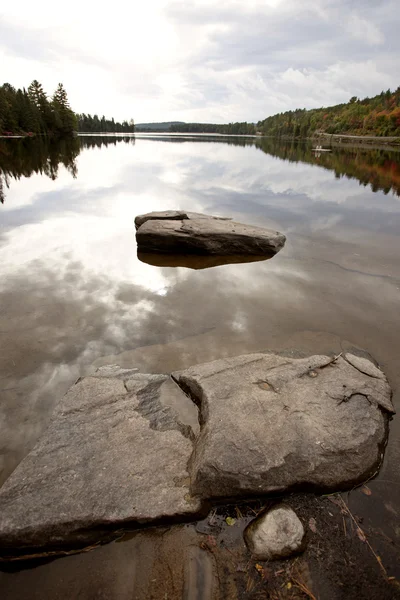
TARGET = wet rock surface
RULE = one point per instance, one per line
(211, 561)
(271, 423)
(277, 533)
(128, 449)
(174, 232)
(115, 453)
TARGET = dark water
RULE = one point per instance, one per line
(73, 292)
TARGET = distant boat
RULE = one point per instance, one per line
(321, 149)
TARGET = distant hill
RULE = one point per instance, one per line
(182, 127)
(377, 116)
(165, 126)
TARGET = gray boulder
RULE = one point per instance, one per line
(277, 533)
(176, 232)
(114, 454)
(271, 423)
(126, 449)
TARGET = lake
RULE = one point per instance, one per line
(74, 294)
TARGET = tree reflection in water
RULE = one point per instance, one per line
(23, 157)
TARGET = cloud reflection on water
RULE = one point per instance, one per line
(72, 289)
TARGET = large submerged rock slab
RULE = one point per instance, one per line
(272, 423)
(115, 454)
(193, 233)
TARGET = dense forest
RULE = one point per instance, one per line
(228, 129)
(89, 124)
(157, 127)
(377, 116)
(31, 111)
(182, 127)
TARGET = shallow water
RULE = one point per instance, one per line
(74, 294)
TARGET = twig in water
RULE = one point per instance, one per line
(303, 588)
(362, 535)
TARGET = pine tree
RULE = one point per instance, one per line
(39, 99)
(66, 119)
(36, 94)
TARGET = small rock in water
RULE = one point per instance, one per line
(275, 534)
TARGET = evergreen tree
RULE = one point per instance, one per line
(64, 115)
(30, 111)
(93, 124)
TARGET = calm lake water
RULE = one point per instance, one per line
(73, 293)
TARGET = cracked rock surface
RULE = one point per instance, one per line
(125, 448)
(116, 452)
(175, 232)
(271, 423)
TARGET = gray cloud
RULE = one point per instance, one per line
(196, 60)
(330, 50)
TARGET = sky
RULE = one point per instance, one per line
(202, 60)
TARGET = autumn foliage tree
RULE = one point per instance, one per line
(377, 116)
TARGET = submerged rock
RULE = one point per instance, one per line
(271, 423)
(176, 232)
(277, 533)
(115, 453)
(196, 261)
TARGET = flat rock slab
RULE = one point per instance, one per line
(173, 215)
(179, 232)
(115, 453)
(126, 449)
(272, 423)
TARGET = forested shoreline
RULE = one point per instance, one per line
(377, 116)
(94, 124)
(243, 128)
(32, 111)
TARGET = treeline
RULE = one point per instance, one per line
(31, 111)
(95, 124)
(377, 116)
(229, 129)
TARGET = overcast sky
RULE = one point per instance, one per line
(202, 60)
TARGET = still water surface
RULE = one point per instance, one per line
(73, 293)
